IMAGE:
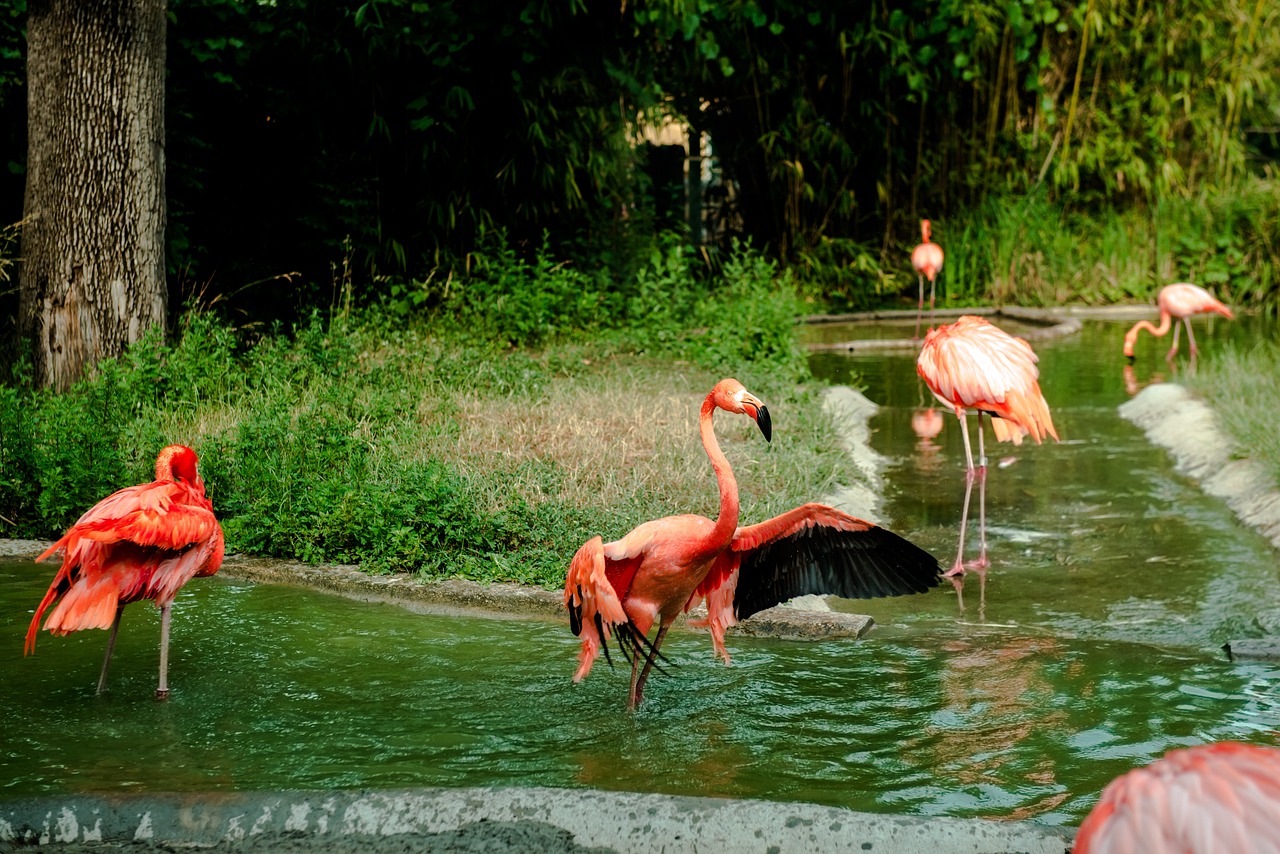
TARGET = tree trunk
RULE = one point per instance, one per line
(92, 279)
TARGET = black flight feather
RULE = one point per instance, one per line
(823, 560)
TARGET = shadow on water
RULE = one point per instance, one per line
(1114, 581)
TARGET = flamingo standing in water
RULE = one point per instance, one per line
(666, 566)
(927, 261)
(972, 364)
(1196, 800)
(142, 542)
(1181, 301)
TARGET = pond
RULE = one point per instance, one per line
(1114, 582)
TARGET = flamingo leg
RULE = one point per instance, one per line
(956, 573)
(648, 663)
(1173, 351)
(982, 563)
(1191, 338)
(111, 645)
(933, 283)
(162, 690)
(920, 306)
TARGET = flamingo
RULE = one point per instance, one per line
(1196, 800)
(972, 364)
(668, 565)
(927, 261)
(1181, 301)
(142, 542)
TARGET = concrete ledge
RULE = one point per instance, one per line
(1055, 325)
(515, 819)
(1176, 420)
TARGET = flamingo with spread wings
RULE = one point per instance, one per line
(927, 261)
(142, 542)
(1181, 301)
(664, 567)
(973, 364)
(1196, 800)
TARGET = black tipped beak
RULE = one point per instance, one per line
(762, 420)
(1129, 359)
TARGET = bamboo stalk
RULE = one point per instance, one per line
(1075, 88)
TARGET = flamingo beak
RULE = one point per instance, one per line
(763, 422)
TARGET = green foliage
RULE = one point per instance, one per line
(1235, 374)
(349, 441)
(1031, 250)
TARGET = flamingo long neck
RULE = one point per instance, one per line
(1166, 323)
(727, 521)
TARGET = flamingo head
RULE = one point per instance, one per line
(178, 463)
(730, 396)
(1130, 338)
(926, 230)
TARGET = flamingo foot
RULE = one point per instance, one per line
(979, 564)
(162, 693)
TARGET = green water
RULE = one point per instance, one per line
(1114, 582)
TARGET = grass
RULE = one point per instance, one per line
(422, 442)
(1240, 384)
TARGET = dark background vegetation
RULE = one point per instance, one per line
(375, 206)
(397, 138)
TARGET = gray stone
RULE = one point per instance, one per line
(788, 623)
(1254, 649)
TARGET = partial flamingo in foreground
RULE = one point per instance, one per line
(667, 566)
(142, 542)
(1211, 799)
(927, 261)
(974, 365)
(1180, 301)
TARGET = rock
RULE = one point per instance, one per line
(794, 624)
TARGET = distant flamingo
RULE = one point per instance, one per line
(971, 364)
(142, 542)
(927, 260)
(1196, 800)
(1180, 301)
(665, 566)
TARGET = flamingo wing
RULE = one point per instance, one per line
(142, 542)
(818, 549)
(163, 514)
(1216, 797)
(593, 592)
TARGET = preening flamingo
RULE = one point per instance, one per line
(666, 566)
(1196, 800)
(972, 364)
(927, 261)
(1181, 301)
(142, 542)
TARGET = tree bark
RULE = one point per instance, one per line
(92, 279)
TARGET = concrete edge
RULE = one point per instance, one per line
(615, 821)
(1176, 420)
(1055, 326)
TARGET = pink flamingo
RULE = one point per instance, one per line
(142, 542)
(927, 261)
(1196, 800)
(1181, 301)
(971, 364)
(666, 566)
